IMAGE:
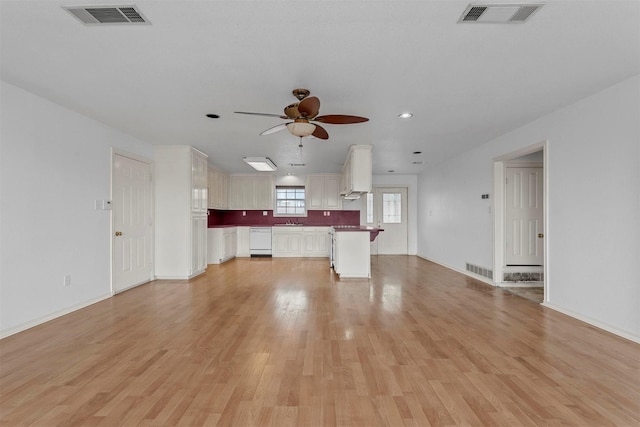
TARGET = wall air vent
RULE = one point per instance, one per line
(480, 271)
(98, 15)
(499, 13)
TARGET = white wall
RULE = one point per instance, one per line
(54, 164)
(593, 234)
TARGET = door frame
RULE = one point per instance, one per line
(499, 173)
(122, 153)
(383, 187)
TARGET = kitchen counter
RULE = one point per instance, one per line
(373, 231)
(352, 250)
(284, 225)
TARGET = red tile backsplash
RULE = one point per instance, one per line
(315, 218)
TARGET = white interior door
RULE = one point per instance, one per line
(390, 213)
(524, 214)
(132, 223)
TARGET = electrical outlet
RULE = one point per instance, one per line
(67, 281)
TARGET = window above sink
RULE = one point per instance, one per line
(290, 201)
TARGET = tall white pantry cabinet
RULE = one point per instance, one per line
(180, 175)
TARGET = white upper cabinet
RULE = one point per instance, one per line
(323, 192)
(251, 192)
(357, 170)
(264, 189)
(199, 186)
(218, 182)
(332, 191)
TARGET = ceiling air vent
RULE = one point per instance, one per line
(499, 13)
(96, 15)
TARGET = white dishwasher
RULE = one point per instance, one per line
(260, 241)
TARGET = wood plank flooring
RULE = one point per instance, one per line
(284, 342)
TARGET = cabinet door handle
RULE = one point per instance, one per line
(540, 235)
(118, 233)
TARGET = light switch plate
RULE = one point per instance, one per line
(103, 205)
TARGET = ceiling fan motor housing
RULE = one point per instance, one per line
(300, 93)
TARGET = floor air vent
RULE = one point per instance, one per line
(96, 15)
(499, 13)
(480, 271)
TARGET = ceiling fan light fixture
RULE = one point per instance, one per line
(262, 164)
(301, 129)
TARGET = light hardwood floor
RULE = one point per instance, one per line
(283, 342)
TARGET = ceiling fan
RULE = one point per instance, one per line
(303, 113)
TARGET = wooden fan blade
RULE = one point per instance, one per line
(274, 129)
(340, 119)
(262, 114)
(320, 133)
(291, 111)
(309, 107)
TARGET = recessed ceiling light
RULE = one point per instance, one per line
(213, 116)
(405, 115)
(391, 171)
(417, 152)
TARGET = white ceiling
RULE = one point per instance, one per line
(464, 83)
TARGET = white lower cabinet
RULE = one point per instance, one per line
(352, 257)
(300, 241)
(222, 244)
(315, 242)
(198, 244)
(244, 242)
(230, 243)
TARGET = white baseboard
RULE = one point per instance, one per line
(466, 273)
(520, 284)
(135, 285)
(623, 334)
(27, 325)
(593, 322)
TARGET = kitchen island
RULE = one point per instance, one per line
(352, 250)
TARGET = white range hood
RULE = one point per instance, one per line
(357, 172)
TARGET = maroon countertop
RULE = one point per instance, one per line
(374, 231)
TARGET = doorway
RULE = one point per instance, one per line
(523, 215)
(389, 207)
(132, 219)
(520, 221)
